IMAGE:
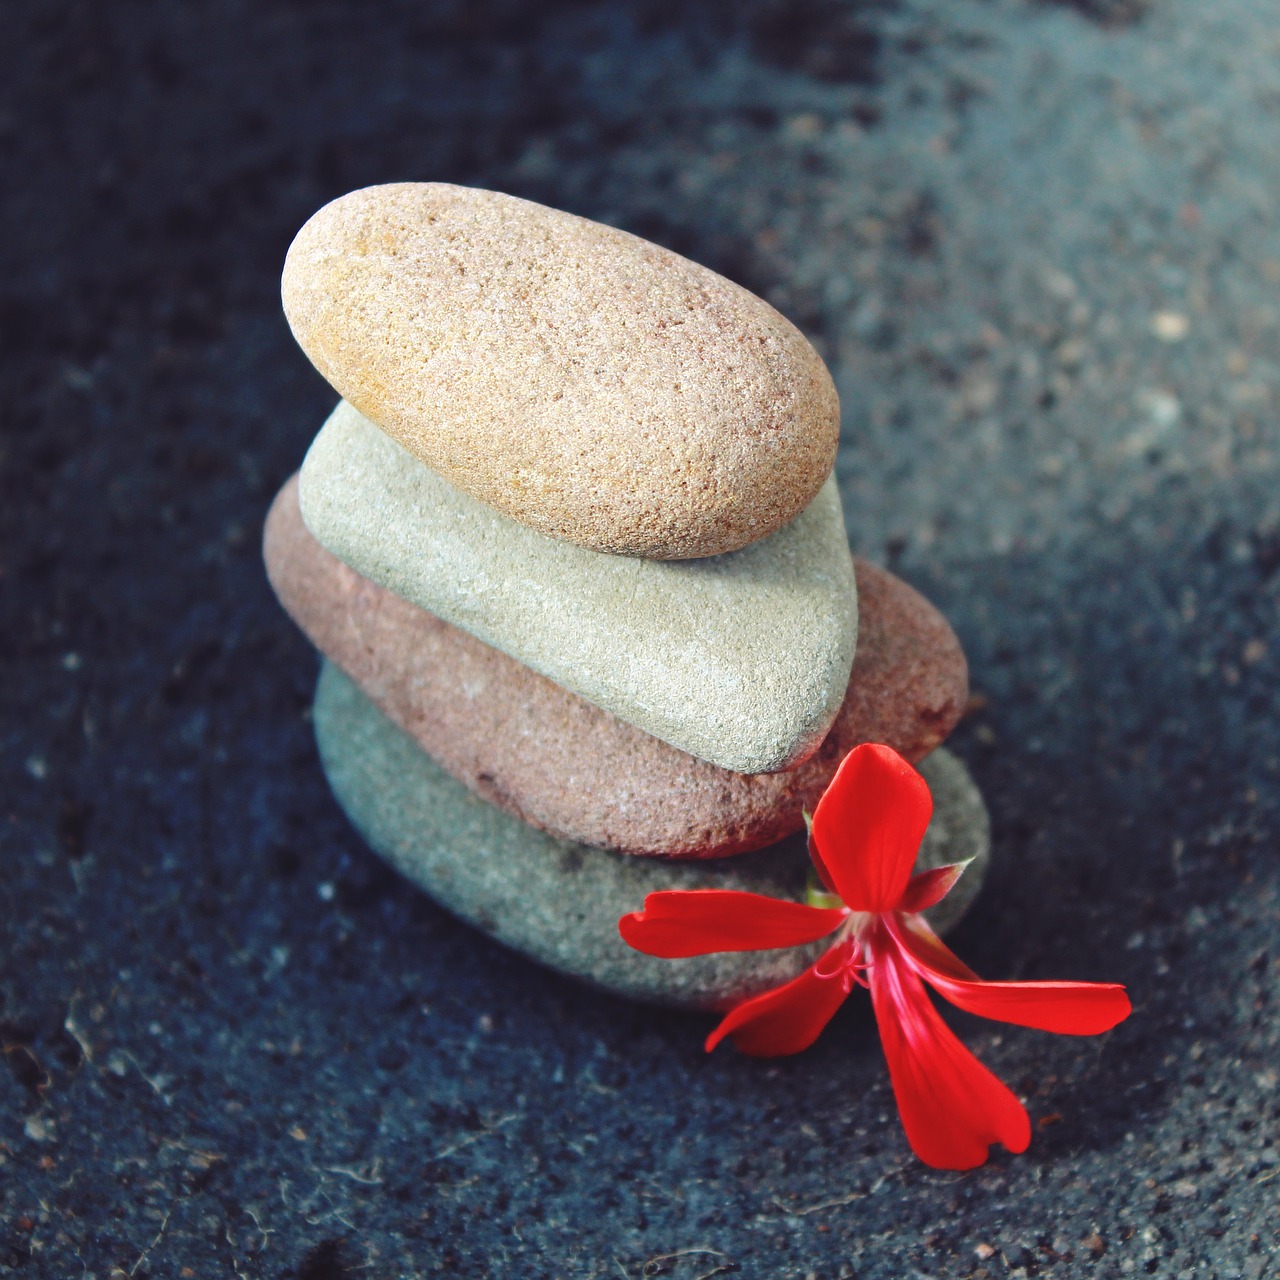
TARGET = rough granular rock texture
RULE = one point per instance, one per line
(560, 902)
(592, 385)
(540, 752)
(236, 1043)
(740, 659)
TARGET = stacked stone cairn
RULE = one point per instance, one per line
(573, 552)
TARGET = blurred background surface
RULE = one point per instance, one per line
(1037, 244)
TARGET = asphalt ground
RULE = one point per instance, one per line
(1037, 244)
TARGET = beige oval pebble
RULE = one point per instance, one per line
(596, 387)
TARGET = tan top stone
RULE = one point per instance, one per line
(572, 769)
(596, 387)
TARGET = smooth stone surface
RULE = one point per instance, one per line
(555, 760)
(741, 659)
(597, 387)
(560, 902)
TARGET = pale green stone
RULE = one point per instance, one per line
(740, 659)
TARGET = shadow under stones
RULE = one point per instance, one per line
(1108, 13)
(1129, 751)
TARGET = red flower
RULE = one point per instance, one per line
(866, 832)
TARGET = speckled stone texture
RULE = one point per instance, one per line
(555, 760)
(559, 902)
(592, 385)
(740, 659)
(236, 1043)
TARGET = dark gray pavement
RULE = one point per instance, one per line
(1038, 244)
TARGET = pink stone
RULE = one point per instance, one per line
(569, 768)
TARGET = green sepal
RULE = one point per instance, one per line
(816, 894)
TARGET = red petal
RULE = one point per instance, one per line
(952, 1107)
(869, 824)
(790, 1018)
(924, 950)
(928, 888)
(815, 856)
(1069, 1008)
(695, 922)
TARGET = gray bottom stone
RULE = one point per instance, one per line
(559, 902)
